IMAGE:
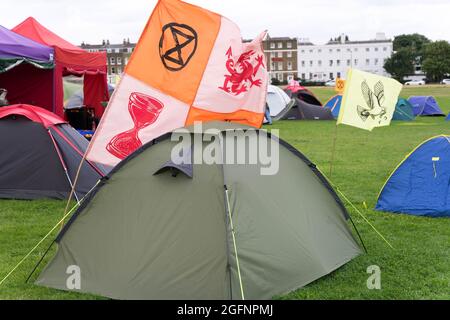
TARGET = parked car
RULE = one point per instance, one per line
(330, 83)
(445, 81)
(415, 83)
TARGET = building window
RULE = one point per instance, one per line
(289, 65)
(376, 62)
(331, 76)
(338, 75)
(331, 63)
(272, 66)
(338, 62)
(303, 76)
(356, 62)
(289, 54)
(331, 50)
(280, 76)
(112, 60)
(303, 51)
(376, 49)
(311, 63)
(367, 62)
(280, 45)
(356, 49)
(119, 70)
(310, 75)
(113, 70)
(273, 54)
(349, 50)
(384, 49)
(280, 54)
(303, 64)
(117, 50)
(272, 45)
(119, 60)
(311, 51)
(349, 62)
(126, 61)
(338, 50)
(289, 45)
(367, 49)
(320, 50)
(319, 63)
(280, 65)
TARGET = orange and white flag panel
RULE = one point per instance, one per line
(189, 65)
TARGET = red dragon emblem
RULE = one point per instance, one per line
(242, 72)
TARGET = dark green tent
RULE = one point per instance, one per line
(157, 230)
(403, 111)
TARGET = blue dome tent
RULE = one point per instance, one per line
(425, 106)
(335, 105)
(420, 185)
(448, 117)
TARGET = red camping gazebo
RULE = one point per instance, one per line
(71, 60)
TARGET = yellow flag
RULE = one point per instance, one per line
(369, 100)
(340, 85)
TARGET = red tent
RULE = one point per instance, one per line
(71, 60)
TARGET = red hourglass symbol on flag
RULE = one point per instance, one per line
(144, 111)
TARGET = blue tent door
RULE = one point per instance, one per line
(429, 183)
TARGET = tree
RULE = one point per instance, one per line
(400, 64)
(416, 42)
(436, 62)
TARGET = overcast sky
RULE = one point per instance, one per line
(94, 20)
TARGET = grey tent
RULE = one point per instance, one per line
(154, 229)
(305, 95)
(40, 156)
(277, 100)
(305, 111)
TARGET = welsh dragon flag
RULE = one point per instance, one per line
(189, 65)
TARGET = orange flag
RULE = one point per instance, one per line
(189, 65)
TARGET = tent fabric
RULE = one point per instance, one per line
(277, 100)
(404, 111)
(26, 70)
(35, 114)
(334, 104)
(425, 106)
(36, 147)
(448, 117)
(420, 185)
(294, 86)
(290, 228)
(27, 84)
(305, 111)
(304, 95)
(71, 60)
(13, 46)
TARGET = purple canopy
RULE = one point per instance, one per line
(13, 45)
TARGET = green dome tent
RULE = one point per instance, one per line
(403, 111)
(154, 229)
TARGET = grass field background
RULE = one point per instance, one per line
(418, 267)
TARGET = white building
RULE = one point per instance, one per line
(332, 60)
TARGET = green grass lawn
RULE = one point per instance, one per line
(418, 268)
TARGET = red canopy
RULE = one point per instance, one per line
(71, 60)
(35, 114)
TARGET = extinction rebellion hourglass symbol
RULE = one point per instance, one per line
(144, 111)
